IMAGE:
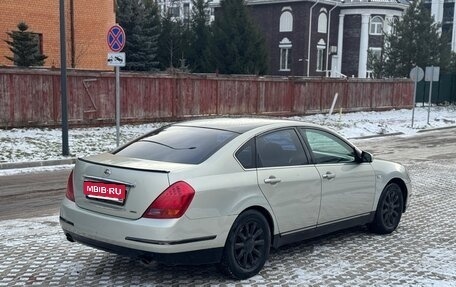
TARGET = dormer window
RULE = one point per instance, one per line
(376, 26)
(322, 21)
(286, 20)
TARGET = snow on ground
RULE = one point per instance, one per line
(16, 171)
(35, 144)
(361, 124)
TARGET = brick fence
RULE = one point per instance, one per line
(32, 97)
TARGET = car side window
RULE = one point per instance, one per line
(328, 148)
(246, 154)
(280, 148)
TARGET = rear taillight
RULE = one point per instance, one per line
(172, 203)
(70, 190)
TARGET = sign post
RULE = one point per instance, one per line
(116, 42)
(432, 75)
(416, 74)
(63, 81)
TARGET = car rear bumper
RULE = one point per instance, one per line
(205, 256)
(169, 241)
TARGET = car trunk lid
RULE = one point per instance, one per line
(120, 186)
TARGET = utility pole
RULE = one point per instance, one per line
(63, 81)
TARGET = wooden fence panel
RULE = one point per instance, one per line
(196, 96)
(402, 95)
(329, 90)
(358, 96)
(237, 97)
(307, 97)
(5, 100)
(32, 97)
(275, 97)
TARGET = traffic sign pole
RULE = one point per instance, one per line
(430, 95)
(117, 105)
(116, 42)
(432, 75)
(416, 74)
(414, 99)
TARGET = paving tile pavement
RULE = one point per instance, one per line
(422, 252)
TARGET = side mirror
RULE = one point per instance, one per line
(366, 157)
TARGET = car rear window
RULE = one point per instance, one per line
(179, 144)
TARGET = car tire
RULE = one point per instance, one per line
(389, 210)
(247, 246)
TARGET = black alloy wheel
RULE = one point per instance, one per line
(247, 246)
(389, 210)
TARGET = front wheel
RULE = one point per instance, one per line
(247, 246)
(389, 210)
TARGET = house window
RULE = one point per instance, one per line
(39, 41)
(285, 54)
(286, 20)
(174, 11)
(186, 10)
(376, 52)
(322, 21)
(392, 23)
(376, 26)
(374, 57)
(321, 49)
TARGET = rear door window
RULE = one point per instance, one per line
(246, 154)
(178, 144)
(280, 148)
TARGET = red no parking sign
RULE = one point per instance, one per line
(116, 38)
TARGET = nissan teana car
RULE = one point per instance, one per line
(226, 190)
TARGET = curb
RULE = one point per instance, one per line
(14, 165)
(436, 129)
(376, 136)
(400, 133)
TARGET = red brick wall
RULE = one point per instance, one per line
(92, 20)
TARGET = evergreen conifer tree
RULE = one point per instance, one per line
(239, 48)
(415, 41)
(140, 21)
(200, 56)
(174, 41)
(24, 46)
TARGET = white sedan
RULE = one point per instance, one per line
(226, 190)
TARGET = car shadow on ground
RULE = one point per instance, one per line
(124, 269)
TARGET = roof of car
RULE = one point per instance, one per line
(238, 125)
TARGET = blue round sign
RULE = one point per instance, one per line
(116, 38)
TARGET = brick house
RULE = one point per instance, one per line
(87, 23)
(341, 34)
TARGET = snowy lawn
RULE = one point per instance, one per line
(24, 145)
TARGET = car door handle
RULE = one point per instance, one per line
(329, 175)
(272, 180)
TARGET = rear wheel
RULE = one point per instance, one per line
(389, 210)
(247, 246)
